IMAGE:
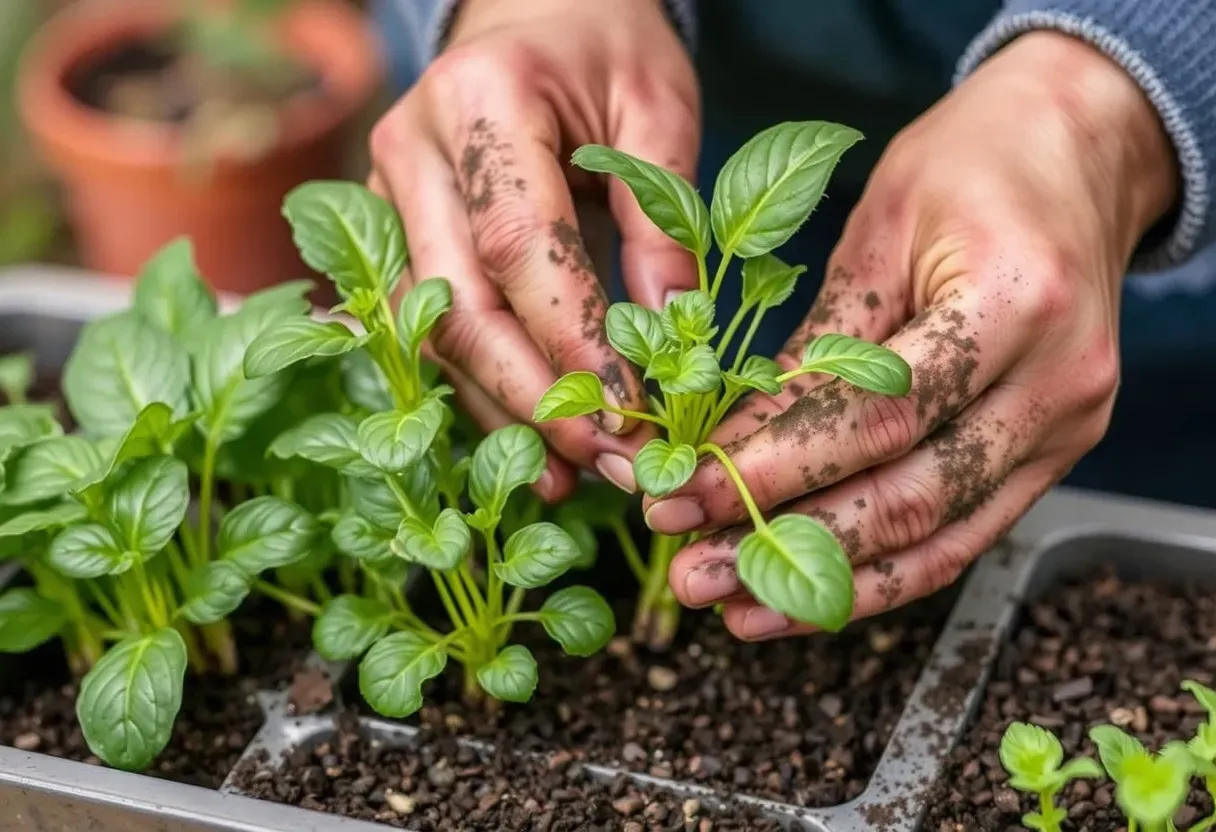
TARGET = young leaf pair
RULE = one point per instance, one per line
(413, 498)
(764, 193)
(1149, 788)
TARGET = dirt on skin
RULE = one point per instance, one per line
(443, 786)
(801, 720)
(1098, 651)
(218, 718)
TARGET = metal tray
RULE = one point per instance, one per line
(42, 310)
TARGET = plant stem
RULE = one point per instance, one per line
(1047, 803)
(629, 548)
(635, 414)
(744, 494)
(206, 487)
(458, 623)
(658, 612)
(286, 598)
(702, 275)
(493, 582)
(721, 273)
(741, 353)
(729, 334)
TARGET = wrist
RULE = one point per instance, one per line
(1115, 130)
(472, 17)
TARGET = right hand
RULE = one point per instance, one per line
(475, 157)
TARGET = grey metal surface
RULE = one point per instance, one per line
(1066, 531)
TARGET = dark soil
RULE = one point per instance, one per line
(1098, 651)
(802, 721)
(218, 718)
(442, 785)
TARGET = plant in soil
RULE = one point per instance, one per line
(764, 193)
(413, 497)
(1149, 788)
(145, 527)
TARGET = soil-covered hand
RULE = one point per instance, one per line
(988, 250)
(476, 158)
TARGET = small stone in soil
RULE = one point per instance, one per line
(311, 691)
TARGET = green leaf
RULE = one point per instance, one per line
(375, 501)
(768, 188)
(266, 533)
(27, 620)
(574, 394)
(154, 433)
(537, 555)
(660, 467)
(1079, 768)
(668, 199)
(24, 424)
(392, 673)
(170, 293)
(1152, 789)
(284, 300)
(63, 514)
(88, 551)
(768, 281)
(860, 363)
(796, 567)
(329, 439)
(228, 400)
(16, 375)
(49, 469)
(421, 309)
(506, 459)
(394, 441)
(694, 370)
(689, 318)
(1205, 696)
(635, 332)
(359, 538)
(293, 340)
(1032, 756)
(364, 382)
(345, 231)
(578, 619)
(215, 590)
(120, 365)
(443, 546)
(130, 699)
(757, 373)
(1114, 747)
(348, 625)
(149, 502)
(509, 676)
(583, 535)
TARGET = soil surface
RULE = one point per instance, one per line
(218, 718)
(1098, 651)
(802, 721)
(445, 786)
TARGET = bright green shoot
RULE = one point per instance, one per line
(764, 193)
(1035, 761)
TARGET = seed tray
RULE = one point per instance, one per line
(42, 309)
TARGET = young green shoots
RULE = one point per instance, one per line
(1149, 788)
(1034, 759)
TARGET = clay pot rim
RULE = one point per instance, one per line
(333, 36)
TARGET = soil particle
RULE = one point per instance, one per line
(311, 691)
(485, 166)
(358, 777)
(798, 720)
(820, 411)
(1094, 651)
(941, 378)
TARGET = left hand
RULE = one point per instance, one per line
(988, 250)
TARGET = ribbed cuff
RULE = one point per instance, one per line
(681, 13)
(1165, 46)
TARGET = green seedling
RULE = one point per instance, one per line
(1149, 788)
(1034, 759)
(413, 500)
(764, 193)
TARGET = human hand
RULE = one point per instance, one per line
(988, 250)
(475, 157)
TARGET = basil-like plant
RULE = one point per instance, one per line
(136, 586)
(407, 482)
(764, 193)
(1034, 759)
(1149, 788)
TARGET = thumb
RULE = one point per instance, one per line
(653, 264)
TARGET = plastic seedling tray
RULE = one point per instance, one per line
(42, 310)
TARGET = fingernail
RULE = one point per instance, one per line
(675, 516)
(612, 422)
(760, 622)
(671, 295)
(617, 470)
(710, 582)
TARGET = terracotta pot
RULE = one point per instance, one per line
(129, 188)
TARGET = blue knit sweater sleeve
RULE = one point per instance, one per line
(1169, 48)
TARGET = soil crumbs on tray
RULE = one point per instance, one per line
(443, 786)
(218, 717)
(1097, 651)
(802, 721)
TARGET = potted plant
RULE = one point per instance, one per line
(170, 119)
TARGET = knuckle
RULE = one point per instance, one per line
(384, 140)
(505, 235)
(907, 509)
(463, 69)
(1048, 293)
(941, 564)
(457, 336)
(886, 427)
(1098, 377)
